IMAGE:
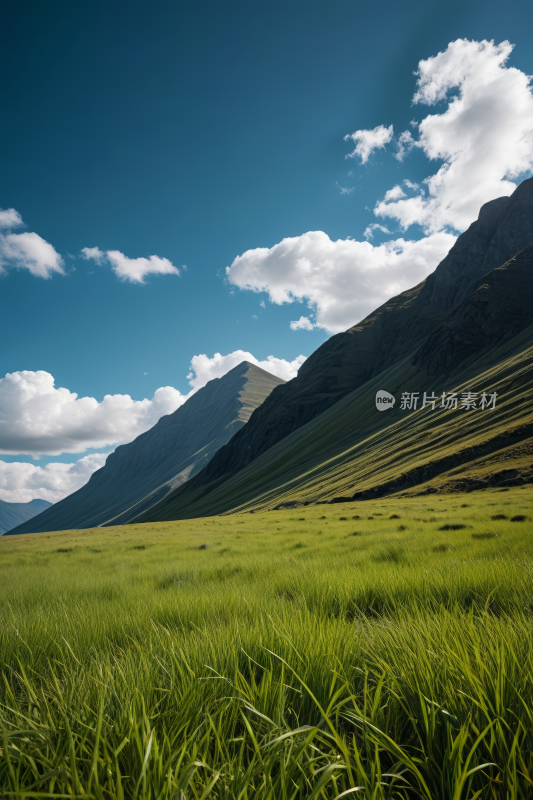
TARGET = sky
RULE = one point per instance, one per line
(188, 185)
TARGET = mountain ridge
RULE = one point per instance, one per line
(352, 452)
(450, 303)
(138, 474)
(349, 359)
(13, 514)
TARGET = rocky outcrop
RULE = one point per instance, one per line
(499, 307)
(139, 474)
(504, 227)
(347, 360)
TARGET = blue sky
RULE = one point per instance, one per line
(195, 133)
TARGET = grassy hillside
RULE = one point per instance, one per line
(381, 644)
(352, 449)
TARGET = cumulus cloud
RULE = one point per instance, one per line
(9, 218)
(29, 251)
(394, 194)
(134, 270)
(21, 482)
(36, 418)
(484, 135)
(343, 280)
(93, 254)
(26, 250)
(302, 324)
(204, 369)
(366, 141)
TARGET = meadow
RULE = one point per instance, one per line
(377, 649)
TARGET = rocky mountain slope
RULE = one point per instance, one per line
(13, 514)
(499, 307)
(472, 304)
(347, 360)
(139, 474)
(352, 452)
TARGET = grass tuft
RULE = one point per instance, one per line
(454, 526)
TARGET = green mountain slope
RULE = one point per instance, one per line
(346, 361)
(13, 514)
(139, 474)
(352, 450)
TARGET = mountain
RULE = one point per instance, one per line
(478, 298)
(139, 474)
(12, 514)
(347, 360)
(352, 452)
(499, 307)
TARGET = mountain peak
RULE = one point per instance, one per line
(140, 473)
(394, 331)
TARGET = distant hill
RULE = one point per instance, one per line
(12, 514)
(467, 322)
(139, 474)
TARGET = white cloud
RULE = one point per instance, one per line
(204, 369)
(484, 136)
(343, 280)
(374, 226)
(9, 218)
(404, 145)
(394, 194)
(93, 254)
(366, 141)
(29, 251)
(26, 250)
(39, 419)
(36, 418)
(302, 324)
(134, 270)
(21, 482)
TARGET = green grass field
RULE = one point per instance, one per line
(378, 649)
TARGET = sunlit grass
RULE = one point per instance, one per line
(291, 654)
